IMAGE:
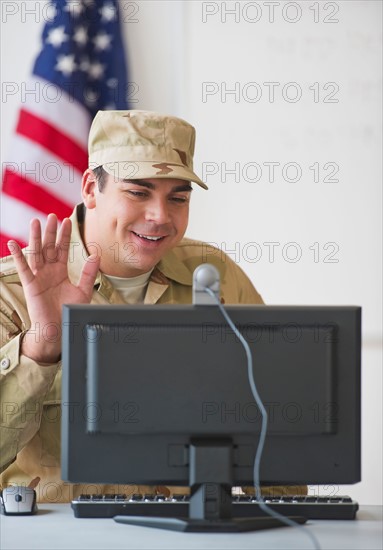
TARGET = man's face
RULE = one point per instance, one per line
(133, 223)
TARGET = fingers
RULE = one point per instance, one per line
(50, 230)
(89, 274)
(52, 246)
(63, 240)
(33, 484)
(49, 238)
(34, 249)
(23, 269)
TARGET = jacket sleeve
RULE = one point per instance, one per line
(23, 386)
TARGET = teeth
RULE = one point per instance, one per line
(149, 238)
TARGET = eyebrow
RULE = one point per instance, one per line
(150, 185)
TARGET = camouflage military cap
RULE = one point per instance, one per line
(142, 145)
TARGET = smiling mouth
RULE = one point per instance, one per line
(151, 238)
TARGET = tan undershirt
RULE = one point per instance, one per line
(132, 289)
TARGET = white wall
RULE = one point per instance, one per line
(175, 48)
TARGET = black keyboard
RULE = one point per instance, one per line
(108, 506)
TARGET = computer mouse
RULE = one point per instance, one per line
(17, 500)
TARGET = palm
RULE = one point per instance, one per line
(45, 276)
(49, 290)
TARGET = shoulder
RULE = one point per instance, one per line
(236, 286)
(192, 253)
(203, 251)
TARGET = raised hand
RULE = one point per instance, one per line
(47, 286)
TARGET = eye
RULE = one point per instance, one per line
(179, 200)
(138, 194)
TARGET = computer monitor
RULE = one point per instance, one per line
(160, 395)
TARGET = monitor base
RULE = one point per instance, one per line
(207, 526)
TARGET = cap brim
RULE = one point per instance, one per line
(147, 170)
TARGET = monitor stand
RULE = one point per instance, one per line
(210, 505)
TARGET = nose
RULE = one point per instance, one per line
(158, 211)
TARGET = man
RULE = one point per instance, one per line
(124, 244)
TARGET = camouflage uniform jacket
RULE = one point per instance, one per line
(30, 392)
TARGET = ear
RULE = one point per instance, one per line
(89, 188)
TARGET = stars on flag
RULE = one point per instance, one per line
(83, 50)
(108, 12)
(96, 70)
(66, 64)
(74, 7)
(102, 41)
(56, 37)
(80, 36)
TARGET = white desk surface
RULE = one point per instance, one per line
(55, 527)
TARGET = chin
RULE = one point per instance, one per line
(141, 267)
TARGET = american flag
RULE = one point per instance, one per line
(80, 69)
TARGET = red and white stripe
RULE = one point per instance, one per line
(43, 170)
